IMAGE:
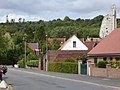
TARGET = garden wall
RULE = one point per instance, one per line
(104, 72)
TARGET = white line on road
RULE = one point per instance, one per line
(80, 81)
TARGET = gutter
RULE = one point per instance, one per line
(104, 54)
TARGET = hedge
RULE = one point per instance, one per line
(64, 67)
(32, 63)
(21, 63)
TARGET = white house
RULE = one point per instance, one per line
(73, 43)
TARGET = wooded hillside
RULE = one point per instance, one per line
(12, 34)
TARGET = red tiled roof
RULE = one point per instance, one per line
(90, 44)
(33, 46)
(109, 45)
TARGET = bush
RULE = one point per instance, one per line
(115, 64)
(21, 64)
(33, 63)
(64, 67)
(102, 64)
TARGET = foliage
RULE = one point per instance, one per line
(36, 32)
(54, 45)
(102, 64)
(83, 57)
(21, 64)
(114, 64)
(32, 63)
(64, 67)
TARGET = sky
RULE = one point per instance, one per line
(35, 10)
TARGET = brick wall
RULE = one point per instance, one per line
(104, 72)
(114, 73)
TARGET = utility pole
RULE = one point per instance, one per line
(25, 53)
(46, 29)
(25, 49)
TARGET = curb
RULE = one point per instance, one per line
(4, 85)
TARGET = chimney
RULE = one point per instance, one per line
(75, 33)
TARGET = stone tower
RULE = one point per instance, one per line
(109, 23)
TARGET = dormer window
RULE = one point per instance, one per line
(74, 43)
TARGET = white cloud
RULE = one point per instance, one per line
(53, 9)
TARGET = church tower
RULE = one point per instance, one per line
(109, 23)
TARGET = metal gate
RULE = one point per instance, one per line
(83, 68)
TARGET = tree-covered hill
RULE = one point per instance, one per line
(12, 34)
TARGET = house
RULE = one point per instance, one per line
(34, 47)
(70, 49)
(108, 48)
(73, 43)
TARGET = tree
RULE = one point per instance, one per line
(66, 18)
(83, 57)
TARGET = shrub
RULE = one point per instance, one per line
(115, 64)
(21, 64)
(102, 64)
(65, 67)
(32, 63)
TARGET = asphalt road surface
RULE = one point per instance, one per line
(22, 79)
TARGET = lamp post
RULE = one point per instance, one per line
(46, 47)
(46, 54)
(25, 53)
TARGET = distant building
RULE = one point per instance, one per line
(34, 47)
(109, 23)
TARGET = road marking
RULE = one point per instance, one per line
(105, 79)
(68, 79)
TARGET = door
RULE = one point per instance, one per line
(83, 69)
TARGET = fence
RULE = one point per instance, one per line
(104, 72)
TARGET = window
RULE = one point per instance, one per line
(95, 60)
(74, 43)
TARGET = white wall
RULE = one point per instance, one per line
(79, 44)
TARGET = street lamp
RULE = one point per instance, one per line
(46, 47)
(46, 54)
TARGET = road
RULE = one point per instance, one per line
(22, 79)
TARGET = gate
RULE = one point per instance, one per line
(83, 68)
